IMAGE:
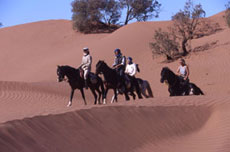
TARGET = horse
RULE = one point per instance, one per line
(113, 81)
(145, 87)
(76, 81)
(176, 87)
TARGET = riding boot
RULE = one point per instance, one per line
(86, 84)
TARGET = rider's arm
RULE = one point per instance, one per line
(126, 69)
(187, 72)
(89, 61)
(178, 71)
(115, 62)
(123, 62)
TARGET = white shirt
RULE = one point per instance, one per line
(182, 70)
(131, 69)
(86, 62)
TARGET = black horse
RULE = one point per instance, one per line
(76, 81)
(145, 88)
(113, 81)
(176, 86)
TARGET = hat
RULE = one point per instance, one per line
(117, 50)
(85, 49)
(130, 59)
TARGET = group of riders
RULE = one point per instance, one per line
(127, 69)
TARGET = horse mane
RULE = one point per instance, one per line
(167, 69)
(69, 69)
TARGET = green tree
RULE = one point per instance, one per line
(90, 15)
(86, 14)
(188, 24)
(141, 10)
(164, 44)
(111, 12)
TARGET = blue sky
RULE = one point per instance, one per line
(14, 12)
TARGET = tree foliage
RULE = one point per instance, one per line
(164, 44)
(86, 13)
(89, 15)
(141, 10)
(188, 24)
(111, 12)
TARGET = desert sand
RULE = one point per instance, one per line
(34, 116)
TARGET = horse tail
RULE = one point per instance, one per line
(150, 93)
(198, 90)
(201, 92)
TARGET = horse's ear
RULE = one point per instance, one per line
(58, 66)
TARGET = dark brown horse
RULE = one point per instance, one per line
(114, 81)
(76, 81)
(176, 85)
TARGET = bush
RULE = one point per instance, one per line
(97, 15)
(94, 15)
(164, 44)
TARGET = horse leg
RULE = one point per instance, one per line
(133, 94)
(105, 95)
(95, 95)
(114, 96)
(126, 96)
(150, 93)
(71, 97)
(83, 95)
(99, 98)
(143, 91)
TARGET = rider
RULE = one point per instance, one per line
(131, 70)
(119, 62)
(183, 71)
(86, 64)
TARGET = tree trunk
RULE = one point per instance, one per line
(127, 15)
(184, 42)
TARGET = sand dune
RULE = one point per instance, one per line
(34, 116)
(172, 125)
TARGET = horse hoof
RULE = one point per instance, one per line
(104, 101)
(69, 104)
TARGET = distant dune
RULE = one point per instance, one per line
(34, 116)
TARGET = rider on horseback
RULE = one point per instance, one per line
(86, 64)
(119, 62)
(183, 71)
(131, 70)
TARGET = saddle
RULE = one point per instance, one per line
(91, 77)
(128, 83)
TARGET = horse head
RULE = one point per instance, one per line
(165, 74)
(100, 67)
(60, 74)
